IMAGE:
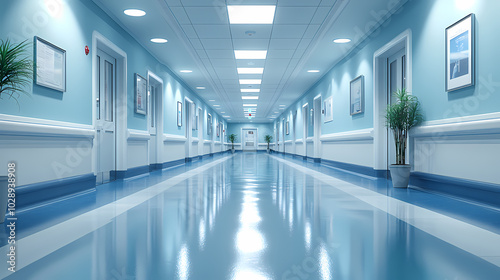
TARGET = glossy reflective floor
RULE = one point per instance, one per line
(255, 216)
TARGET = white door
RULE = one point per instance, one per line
(396, 80)
(199, 118)
(249, 139)
(154, 94)
(105, 117)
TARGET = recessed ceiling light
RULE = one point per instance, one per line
(250, 90)
(222, 112)
(342, 41)
(216, 105)
(249, 105)
(250, 54)
(226, 116)
(211, 100)
(276, 112)
(282, 105)
(200, 87)
(250, 70)
(250, 97)
(159, 40)
(250, 81)
(313, 71)
(240, 14)
(134, 12)
(186, 71)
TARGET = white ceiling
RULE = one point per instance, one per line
(201, 39)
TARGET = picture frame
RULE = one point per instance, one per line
(287, 127)
(357, 95)
(179, 113)
(141, 94)
(209, 124)
(328, 107)
(460, 54)
(50, 61)
(217, 129)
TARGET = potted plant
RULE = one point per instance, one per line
(401, 117)
(16, 74)
(232, 138)
(268, 138)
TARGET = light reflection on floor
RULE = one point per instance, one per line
(250, 217)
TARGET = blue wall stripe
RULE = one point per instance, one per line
(467, 189)
(33, 194)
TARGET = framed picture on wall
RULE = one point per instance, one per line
(179, 113)
(357, 95)
(217, 129)
(50, 61)
(328, 107)
(460, 54)
(141, 94)
(287, 129)
(209, 124)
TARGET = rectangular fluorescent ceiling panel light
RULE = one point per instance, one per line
(250, 81)
(255, 14)
(250, 70)
(249, 105)
(250, 54)
(250, 97)
(250, 90)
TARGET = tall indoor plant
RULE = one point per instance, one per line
(232, 138)
(268, 138)
(401, 117)
(16, 74)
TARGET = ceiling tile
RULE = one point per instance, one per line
(198, 3)
(284, 44)
(217, 44)
(202, 53)
(298, 53)
(288, 31)
(328, 2)
(294, 15)
(304, 44)
(320, 15)
(196, 44)
(180, 15)
(280, 54)
(207, 15)
(220, 54)
(261, 31)
(212, 31)
(219, 62)
(254, 2)
(226, 72)
(251, 44)
(311, 31)
(189, 30)
(173, 2)
(299, 3)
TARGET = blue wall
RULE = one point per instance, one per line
(262, 130)
(70, 27)
(427, 20)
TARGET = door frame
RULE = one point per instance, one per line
(256, 138)
(380, 141)
(159, 117)
(188, 104)
(305, 123)
(317, 126)
(99, 41)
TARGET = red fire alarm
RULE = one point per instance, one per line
(87, 50)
